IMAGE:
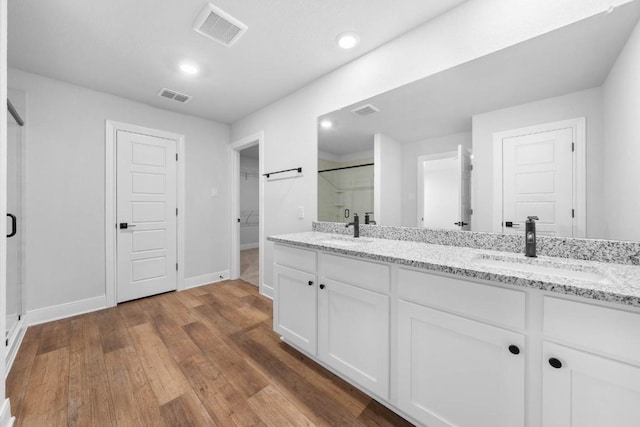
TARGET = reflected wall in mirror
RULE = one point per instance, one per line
(551, 124)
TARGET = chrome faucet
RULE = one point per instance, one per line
(356, 225)
(530, 237)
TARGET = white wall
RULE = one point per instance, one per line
(475, 28)
(621, 98)
(587, 103)
(387, 163)
(249, 201)
(65, 187)
(410, 153)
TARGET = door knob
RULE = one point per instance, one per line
(321, 286)
(125, 225)
(514, 349)
(555, 363)
(310, 282)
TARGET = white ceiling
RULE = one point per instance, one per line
(133, 48)
(567, 60)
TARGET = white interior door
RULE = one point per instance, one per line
(538, 181)
(441, 192)
(146, 215)
(464, 168)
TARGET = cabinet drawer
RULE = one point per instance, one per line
(366, 274)
(605, 330)
(300, 259)
(498, 305)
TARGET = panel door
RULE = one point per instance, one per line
(454, 371)
(441, 193)
(295, 307)
(353, 334)
(146, 203)
(538, 181)
(585, 390)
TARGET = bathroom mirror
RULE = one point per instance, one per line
(550, 127)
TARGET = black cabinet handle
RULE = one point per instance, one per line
(310, 282)
(514, 349)
(555, 363)
(321, 286)
(14, 228)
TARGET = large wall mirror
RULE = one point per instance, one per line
(549, 127)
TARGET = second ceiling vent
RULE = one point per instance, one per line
(365, 110)
(218, 25)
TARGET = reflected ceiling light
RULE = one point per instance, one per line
(326, 124)
(348, 40)
(188, 68)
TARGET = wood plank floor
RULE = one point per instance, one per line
(202, 357)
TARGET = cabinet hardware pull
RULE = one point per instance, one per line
(514, 349)
(321, 286)
(310, 282)
(555, 363)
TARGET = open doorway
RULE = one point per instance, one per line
(249, 214)
(247, 234)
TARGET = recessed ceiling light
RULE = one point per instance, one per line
(189, 69)
(326, 124)
(348, 40)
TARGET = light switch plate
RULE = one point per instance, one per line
(300, 212)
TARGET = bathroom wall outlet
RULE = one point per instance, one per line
(300, 212)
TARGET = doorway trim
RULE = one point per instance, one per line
(111, 265)
(579, 126)
(234, 204)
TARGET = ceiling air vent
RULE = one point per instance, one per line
(219, 25)
(365, 110)
(172, 94)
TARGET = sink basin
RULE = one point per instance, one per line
(577, 272)
(345, 241)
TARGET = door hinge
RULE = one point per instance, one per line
(176, 157)
(176, 266)
(6, 342)
(573, 147)
(573, 213)
(176, 211)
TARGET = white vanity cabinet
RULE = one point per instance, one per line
(453, 370)
(591, 365)
(353, 320)
(295, 303)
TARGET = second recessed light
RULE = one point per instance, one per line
(190, 69)
(348, 40)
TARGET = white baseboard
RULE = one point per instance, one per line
(267, 291)
(249, 246)
(55, 312)
(6, 420)
(205, 279)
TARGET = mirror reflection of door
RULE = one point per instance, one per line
(444, 187)
(538, 170)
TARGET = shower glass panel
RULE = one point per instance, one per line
(14, 225)
(343, 192)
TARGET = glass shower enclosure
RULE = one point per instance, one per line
(345, 191)
(15, 231)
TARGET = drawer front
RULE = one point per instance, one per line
(498, 305)
(300, 259)
(604, 330)
(365, 274)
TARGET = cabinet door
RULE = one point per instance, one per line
(454, 371)
(353, 334)
(295, 307)
(584, 390)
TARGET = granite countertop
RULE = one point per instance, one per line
(617, 283)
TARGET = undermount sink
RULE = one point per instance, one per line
(345, 241)
(576, 272)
